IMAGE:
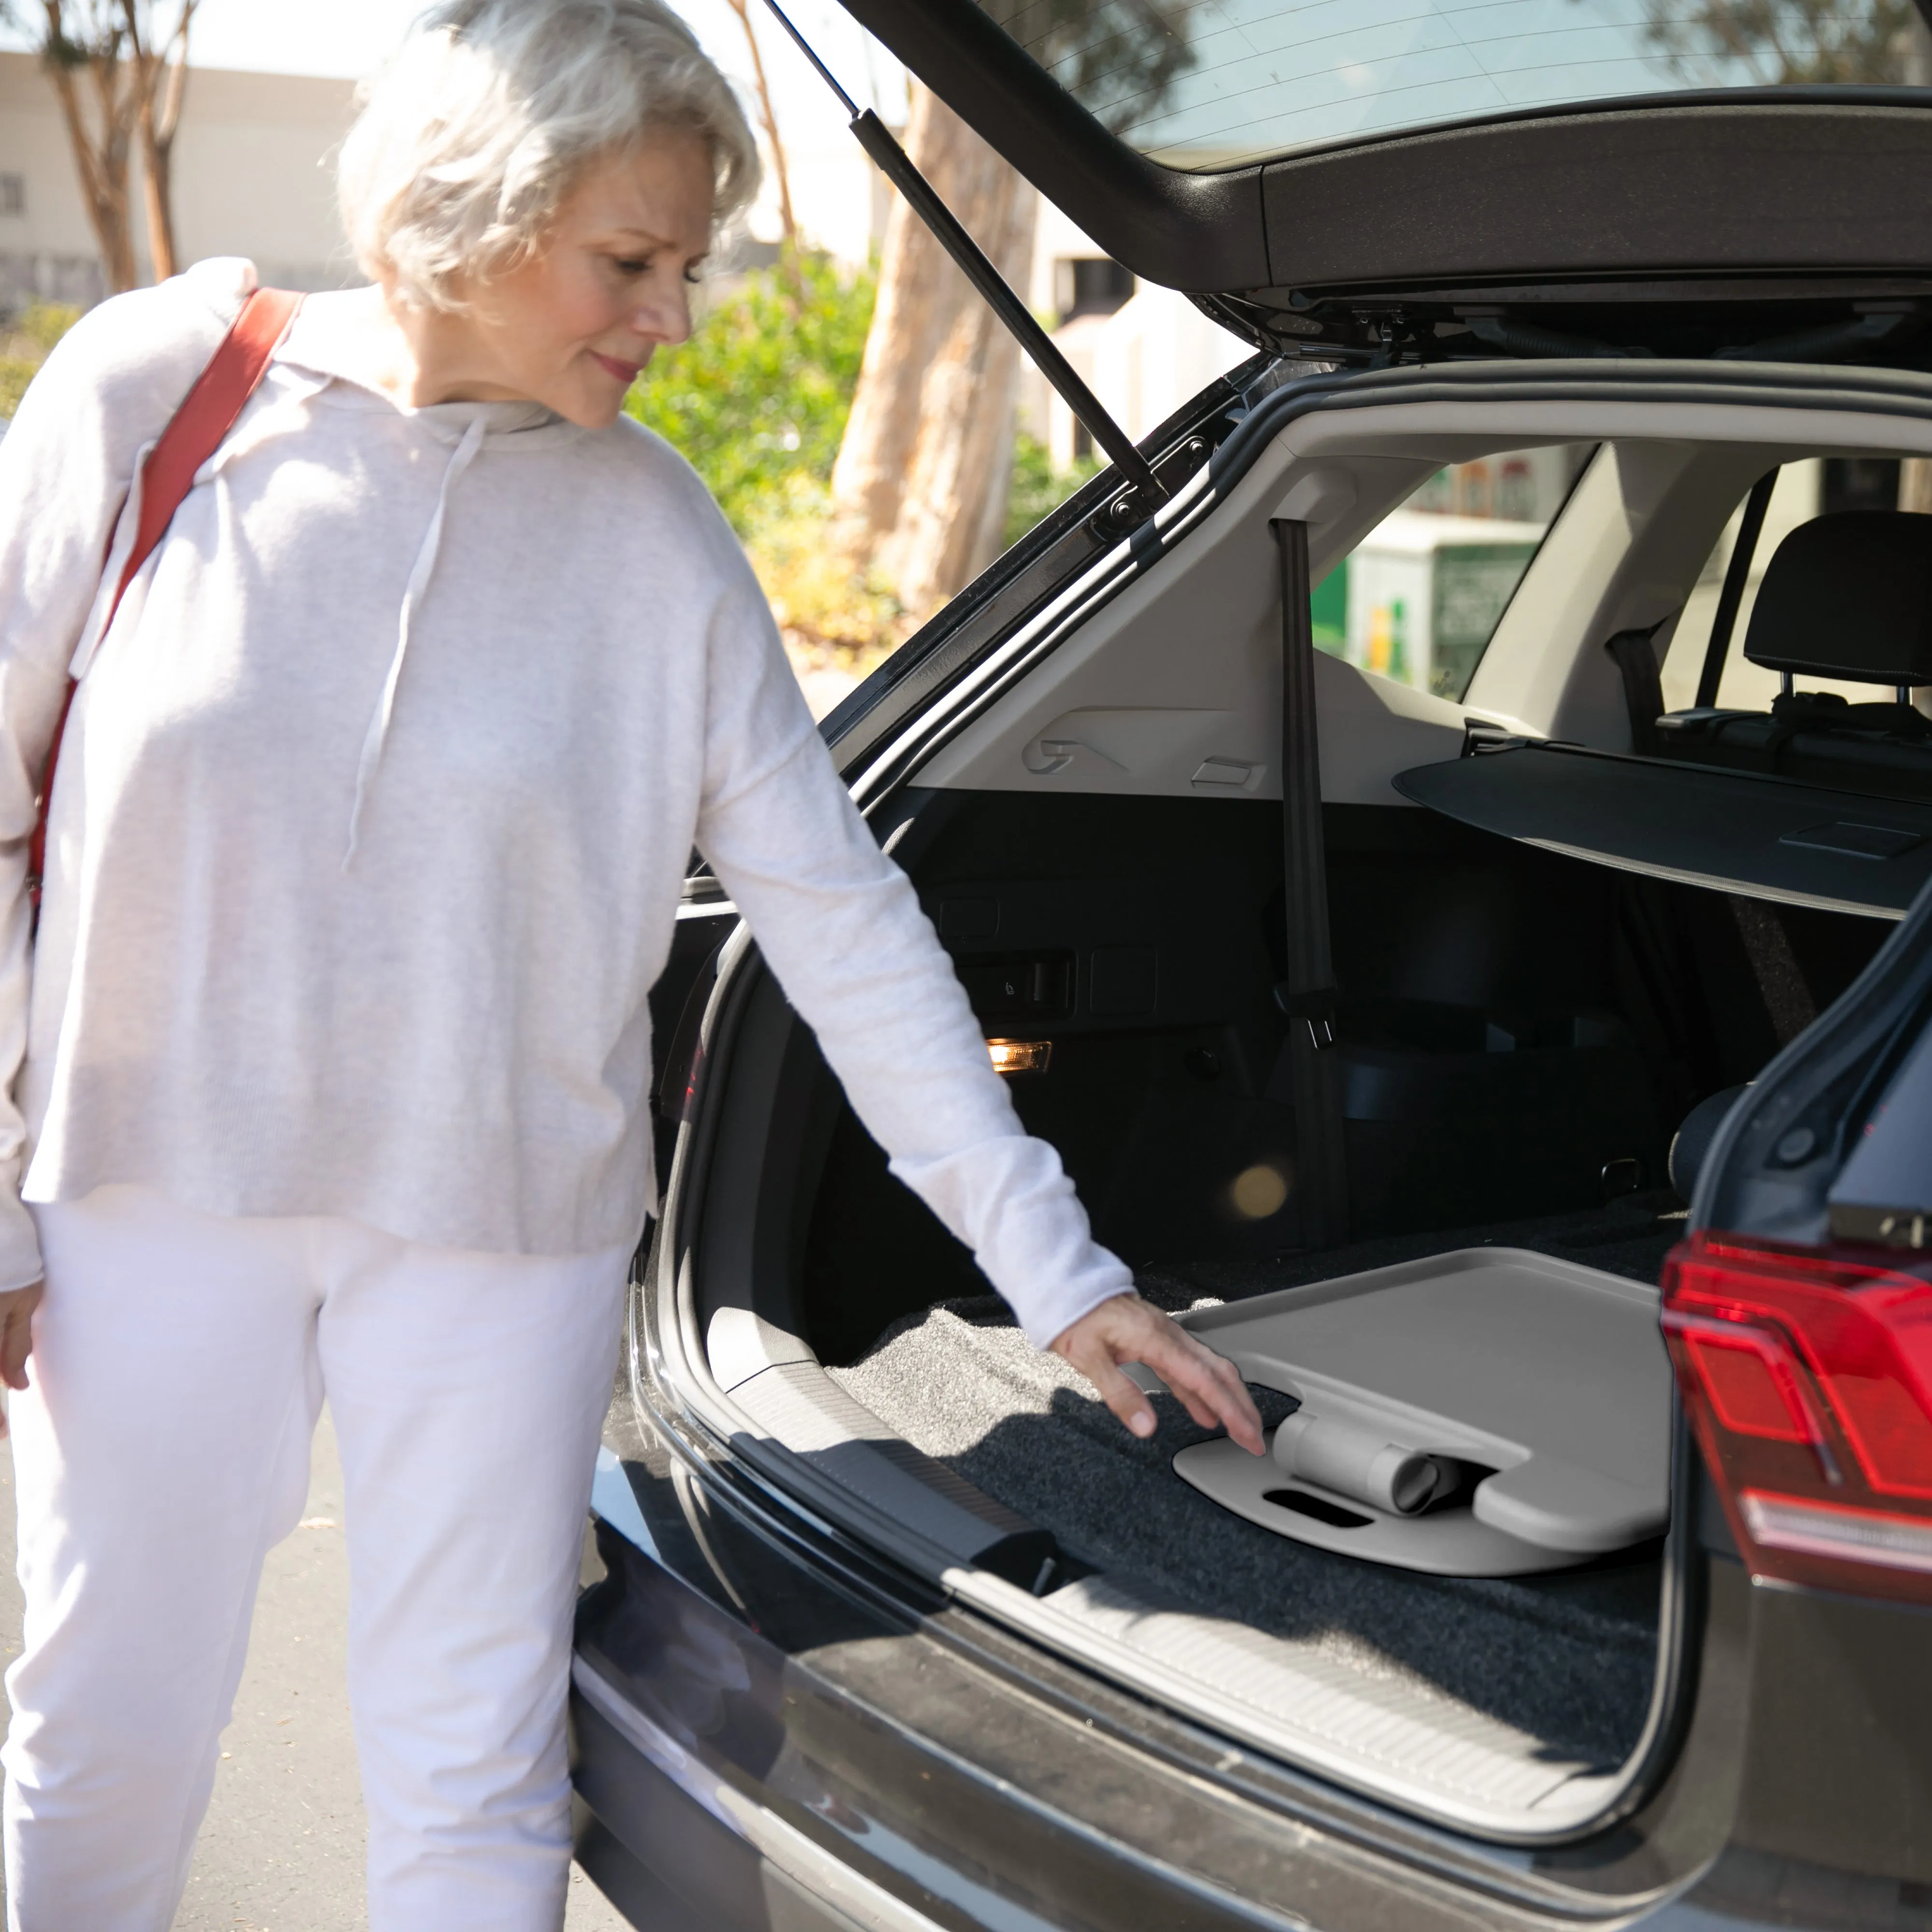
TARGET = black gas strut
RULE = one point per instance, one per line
(875, 137)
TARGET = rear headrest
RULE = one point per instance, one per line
(1849, 596)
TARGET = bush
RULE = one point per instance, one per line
(815, 595)
(757, 400)
(1038, 488)
(26, 345)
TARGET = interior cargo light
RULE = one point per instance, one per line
(1807, 1374)
(1020, 1056)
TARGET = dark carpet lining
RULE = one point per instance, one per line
(1568, 1658)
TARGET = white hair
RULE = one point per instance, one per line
(472, 136)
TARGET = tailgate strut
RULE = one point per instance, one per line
(892, 161)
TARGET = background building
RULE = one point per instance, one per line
(252, 174)
(1142, 349)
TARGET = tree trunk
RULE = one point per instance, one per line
(164, 84)
(135, 81)
(102, 164)
(156, 164)
(1916, 52)
(768, 114)
(919, 489)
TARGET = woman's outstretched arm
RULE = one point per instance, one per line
(841, 925)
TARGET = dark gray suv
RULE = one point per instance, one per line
(1445, 859)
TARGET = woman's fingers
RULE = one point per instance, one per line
(16, 1337)
(1209, 1385)
(1127, 1329)
(1126, 1398)
(17, 1332)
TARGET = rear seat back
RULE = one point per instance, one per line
(1847, 597)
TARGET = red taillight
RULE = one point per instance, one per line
(1807, 1374)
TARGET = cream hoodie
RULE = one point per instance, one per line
(373, 811)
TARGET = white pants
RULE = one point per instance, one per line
(180, 1360)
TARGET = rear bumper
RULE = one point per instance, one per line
(761, 1740)
(768, 1733)
(756, 1784)
(683, 1864)
(679, 1868)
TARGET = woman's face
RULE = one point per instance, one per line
(571, 326)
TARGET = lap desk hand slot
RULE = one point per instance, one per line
(1485, 1413)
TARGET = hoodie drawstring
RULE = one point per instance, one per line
(419, 577)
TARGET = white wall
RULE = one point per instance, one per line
(1143, 362)
(48, 249)
(253, 176)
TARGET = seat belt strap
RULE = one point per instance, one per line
(194, 433)
(1737, 580)
(1307, 995)
(1636, 656)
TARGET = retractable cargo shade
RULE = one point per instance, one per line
(1817, 801)
(1536, 179)
(1764, 837)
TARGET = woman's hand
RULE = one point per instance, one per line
(16, 1337)
(1127, 1329)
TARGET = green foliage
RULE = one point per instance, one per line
(817, 596)
(1038, 488)
(757, 400)
(1328, 608)
(26, 345)
(42, 324)
(16, 372)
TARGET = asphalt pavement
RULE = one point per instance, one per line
(281, 1850)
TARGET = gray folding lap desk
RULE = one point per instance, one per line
(1422, 1378)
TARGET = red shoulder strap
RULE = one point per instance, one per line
(208, 412)
(194, 433)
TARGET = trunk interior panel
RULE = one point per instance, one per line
(1513, 1023)
(1522, 1033)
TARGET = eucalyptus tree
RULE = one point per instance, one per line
(920, 488)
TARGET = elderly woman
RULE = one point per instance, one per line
(330, 1055)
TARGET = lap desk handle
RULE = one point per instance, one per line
(1352, 1459)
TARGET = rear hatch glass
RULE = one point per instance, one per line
(1207, 84)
